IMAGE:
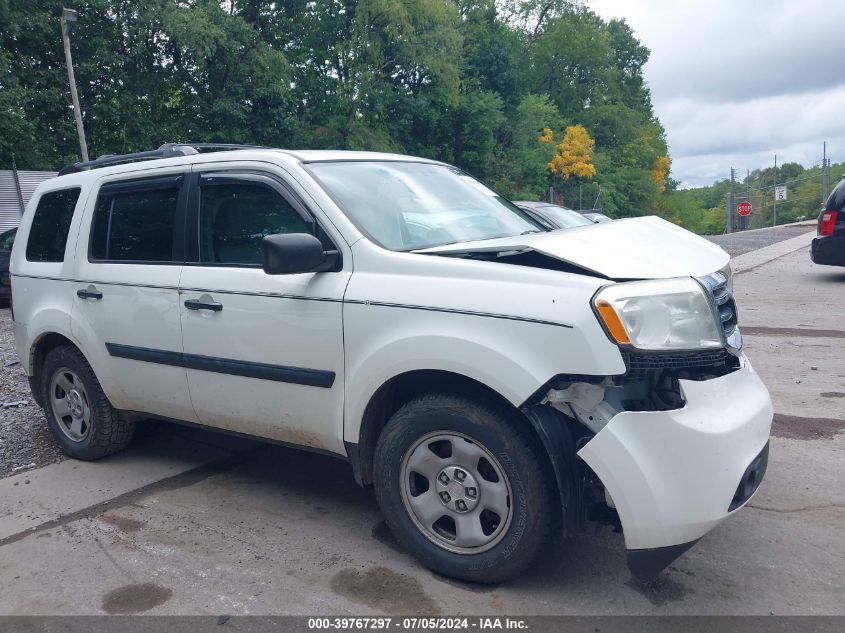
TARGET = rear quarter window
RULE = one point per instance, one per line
(50, 225)
(836, 200)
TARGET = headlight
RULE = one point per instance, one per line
(659, 315)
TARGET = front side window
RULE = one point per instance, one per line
(406, 206)
(135, 225)
(50, 226)
(236, 216)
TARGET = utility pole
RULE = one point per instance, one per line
(774, 190)
(744, 221)
(825, 173)
(69, 15)
(18, 191)
(730, 225)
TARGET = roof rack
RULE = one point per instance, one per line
(168, 150)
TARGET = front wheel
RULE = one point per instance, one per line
(464, 487)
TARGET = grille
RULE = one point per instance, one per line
(685, 360)
(638, 365)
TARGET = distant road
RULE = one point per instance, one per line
(745, 241)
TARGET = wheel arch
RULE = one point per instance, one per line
(40, 347)
(400, 389)
(397, 391)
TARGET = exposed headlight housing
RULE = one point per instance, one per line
(658, 315)
(729, 276)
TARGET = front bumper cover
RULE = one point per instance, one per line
(673, 475)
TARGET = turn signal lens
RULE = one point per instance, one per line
(828, 222)
(612, 322)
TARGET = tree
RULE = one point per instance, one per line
(660, 171)
(574, 156)
(472, 82)
(523, 167)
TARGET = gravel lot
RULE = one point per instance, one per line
(746, 241)
(25, 440)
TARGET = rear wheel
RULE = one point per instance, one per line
(464, 488)
(79, 414)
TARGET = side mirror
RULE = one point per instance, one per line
(291, 253)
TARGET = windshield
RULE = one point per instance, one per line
(563, 217)
(406, 206)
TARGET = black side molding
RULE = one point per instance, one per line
(159, 356)
(646, 564)
(262, 371)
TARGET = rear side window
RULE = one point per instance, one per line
(50, 226)
(136, 223)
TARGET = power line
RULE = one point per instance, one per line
(773, 203)
(789, 183)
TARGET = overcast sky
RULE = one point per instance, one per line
(735, 82)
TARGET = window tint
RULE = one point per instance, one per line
(236, 216)
(135, 225)
(50, 225)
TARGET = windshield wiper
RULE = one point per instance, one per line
(530, 231)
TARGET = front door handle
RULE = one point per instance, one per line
(90, 292)
(202, 304)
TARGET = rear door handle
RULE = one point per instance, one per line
(198, 304)
(90, 292)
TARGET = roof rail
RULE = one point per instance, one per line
(168, 150)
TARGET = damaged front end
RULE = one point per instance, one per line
(665, 451)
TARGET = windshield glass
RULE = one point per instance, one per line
(563, 217)
(406, 206)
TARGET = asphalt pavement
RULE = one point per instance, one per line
(741, 242)
(192, 522)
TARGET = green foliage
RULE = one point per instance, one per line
(472, 82)
(522, 172)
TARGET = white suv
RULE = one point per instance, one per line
(493, 381)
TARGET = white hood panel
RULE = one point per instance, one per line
(634, 248)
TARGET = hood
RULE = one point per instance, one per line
(633, 248)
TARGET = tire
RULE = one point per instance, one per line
(79, 415)
(494, 451)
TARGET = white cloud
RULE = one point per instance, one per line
(736, 82)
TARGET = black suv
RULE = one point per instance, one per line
(829, 247)
(7, 238)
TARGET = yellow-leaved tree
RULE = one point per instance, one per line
(660, 171)
(574, 154)
(547, 136)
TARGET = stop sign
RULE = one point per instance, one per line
(744, 208)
